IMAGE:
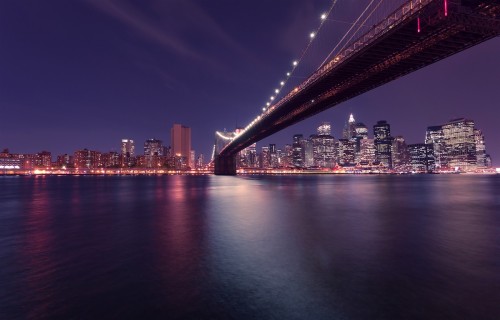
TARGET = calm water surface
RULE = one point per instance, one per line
(273, 247)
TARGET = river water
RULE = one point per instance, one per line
(250, 247)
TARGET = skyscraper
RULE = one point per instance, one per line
(273, 156)
(421, 157)
(367, 151)
(346, 152)
(349, 131)
(434, 136)
(460, 144)
(307, 146)
(264, 158)
(180, 137)
(383, 143)
(361, 132)
(323, 147)
(481, 156)
(298, 151)
(153, 147)
(399, 151)
(128, 152)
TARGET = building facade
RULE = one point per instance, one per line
(180, 136)
(460, 144)
(383, 143)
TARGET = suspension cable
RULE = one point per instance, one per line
(347, 33)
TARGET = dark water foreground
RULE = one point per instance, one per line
(285, 247)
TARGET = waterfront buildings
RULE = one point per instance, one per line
(87, 159)
(453, 146)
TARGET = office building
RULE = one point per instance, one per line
(383, 143)
(367, 151)
(434, 136)
(460, 144)
(180, 136)
(482, 158)
(349, 131)
(307, 146)
(153, 147)
(128, 153)
(323, 147)
(298, 151)
(346, 152)
(87, 159)
(421, 157)
(400, 157)
(265, 158)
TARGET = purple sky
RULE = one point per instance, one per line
(85, 74)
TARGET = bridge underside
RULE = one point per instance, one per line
(425, 36)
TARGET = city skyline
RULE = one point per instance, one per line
(76, 87)
(457, 145)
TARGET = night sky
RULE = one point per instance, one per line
(85, 74)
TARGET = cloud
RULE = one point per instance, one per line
(147, 28)
(168, 24)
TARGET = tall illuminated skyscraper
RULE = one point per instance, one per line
(128, 147)
(434, 136)
(181, 142)
(128, 152)
(298, 151)
(481, 156)
(460, 144)
(323, 147)
(400, 156)
(383, 143)
(264, 158)
(349, 131)
(367, 151)
(421, 157)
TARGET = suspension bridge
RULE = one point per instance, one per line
(414, 35)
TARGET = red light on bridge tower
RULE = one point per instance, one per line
(418, 24)
(445, 8)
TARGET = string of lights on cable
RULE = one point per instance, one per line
(296, 62)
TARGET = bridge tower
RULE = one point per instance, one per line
(224, 165)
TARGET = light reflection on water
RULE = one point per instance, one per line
(274, 247)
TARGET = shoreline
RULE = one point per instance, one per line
(241, 172)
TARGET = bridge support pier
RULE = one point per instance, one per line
(225, 165)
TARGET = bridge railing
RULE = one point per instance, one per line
(395, 18)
